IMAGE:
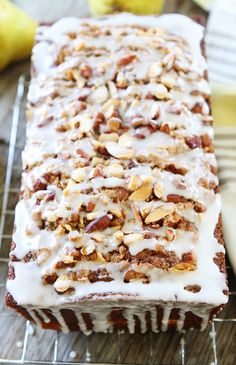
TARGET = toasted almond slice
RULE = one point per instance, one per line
(112, 89)
(104, 137)
(86, 123)
(168, 81)
(93, 215)
(158, 191)
(100, 94)
(155, 69)
(160, 91)
(62, 284)
(88, 250)
(113, 123)
(116, 213)
(125, 140)
(67, 259)
(121, 81)
(131, 238)
(158, 214)
(115, 170)
(142, 193)
(79, 174)
(100, 258)
(134, 183)
(119, 236)
(68, 227)
(184, 266)
(43, 255)
(118, 151)
(70, 184)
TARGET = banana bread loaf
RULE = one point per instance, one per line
(118, 223)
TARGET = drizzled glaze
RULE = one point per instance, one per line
(115, 107)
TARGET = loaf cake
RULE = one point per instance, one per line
(118, 223)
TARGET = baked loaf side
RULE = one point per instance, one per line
(118, 224)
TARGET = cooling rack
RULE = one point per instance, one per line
(22, 343)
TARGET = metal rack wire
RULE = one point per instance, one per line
(182, 353)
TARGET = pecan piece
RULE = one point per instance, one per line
(82, 153)
(45, 121)
(207, 143)
(193, 288)
(126, 60)
(50, 196)
(90, 207)
(85, 71)
(197, 108)
(176, 170)
(39, 185)
(98, 224)
(174, 198)
(165, 128)
(103, 151)
(49, 278)
(193, 142)
(119, 194)
(135, 275)
(99, 275)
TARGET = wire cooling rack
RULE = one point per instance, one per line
(22, 343)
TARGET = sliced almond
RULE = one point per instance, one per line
(104, 137)
(119, 236)
(113, 123)
(67, 259)
(92, 216)
(88, 250)
(133, 237)
(112, 89)
(125, 140)
(51, 216)
(70, 184)
(85, 123)
(160, 91)
(121, 81)
(134, 183)
(42, 255)
(79, 174)
(116, 213)
(115, 170)
(75, 236)
(168, 81)
(62, 284)
(158, 191)
(118, 151)
(68, 227)
(155, 69)
(142, 193)
(100, 94)
(184, 266)
(158, 214)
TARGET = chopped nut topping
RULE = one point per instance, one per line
(119, 177)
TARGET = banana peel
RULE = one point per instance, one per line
(17, 32)
(102, 7)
